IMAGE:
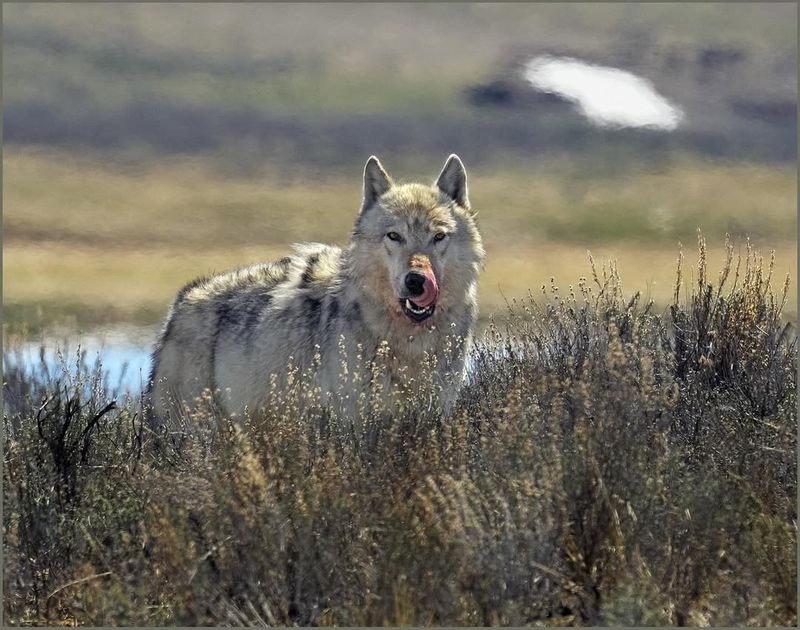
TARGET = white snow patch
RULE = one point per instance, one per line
(608, 97)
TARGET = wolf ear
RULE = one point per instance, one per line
(452, 181)
(376, 182)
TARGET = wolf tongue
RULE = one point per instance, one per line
(430, 292)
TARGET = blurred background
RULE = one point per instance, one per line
(147, 144)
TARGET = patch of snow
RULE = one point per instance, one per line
(608, 97)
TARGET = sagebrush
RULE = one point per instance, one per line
(607, 463)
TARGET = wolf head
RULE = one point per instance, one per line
(416, 247)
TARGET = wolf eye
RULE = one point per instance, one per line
(394, 236)
(439, 237)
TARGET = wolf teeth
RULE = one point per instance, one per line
(413, 309)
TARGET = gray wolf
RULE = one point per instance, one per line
(402, 293)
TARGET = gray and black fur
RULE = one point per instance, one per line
(328, 311)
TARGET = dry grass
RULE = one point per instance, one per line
(55, 282)
(190, 202)
(108, 243)
(605, 465)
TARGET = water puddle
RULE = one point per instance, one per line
(124, 354)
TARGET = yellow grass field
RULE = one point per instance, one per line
(111, 244)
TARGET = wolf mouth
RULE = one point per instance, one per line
(416, 313)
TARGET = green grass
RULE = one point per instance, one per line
(607, 464)
(380, 58)
(91, 82)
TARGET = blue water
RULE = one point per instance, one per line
(126, 364)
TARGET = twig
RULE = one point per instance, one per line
(78, 581)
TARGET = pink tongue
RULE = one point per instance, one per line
(430, 292)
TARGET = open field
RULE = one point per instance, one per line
(106, 242)
(249, 55)
(327, 83)
(149, 144)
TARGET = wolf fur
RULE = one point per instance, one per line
(331, 312)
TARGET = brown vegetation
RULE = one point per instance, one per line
(607, 464)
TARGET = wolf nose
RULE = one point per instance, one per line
(415, 283)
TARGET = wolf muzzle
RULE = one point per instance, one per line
(423, 287)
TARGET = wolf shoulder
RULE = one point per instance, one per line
(238, 303)
(311, 269)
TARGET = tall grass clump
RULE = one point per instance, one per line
(607, 463)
